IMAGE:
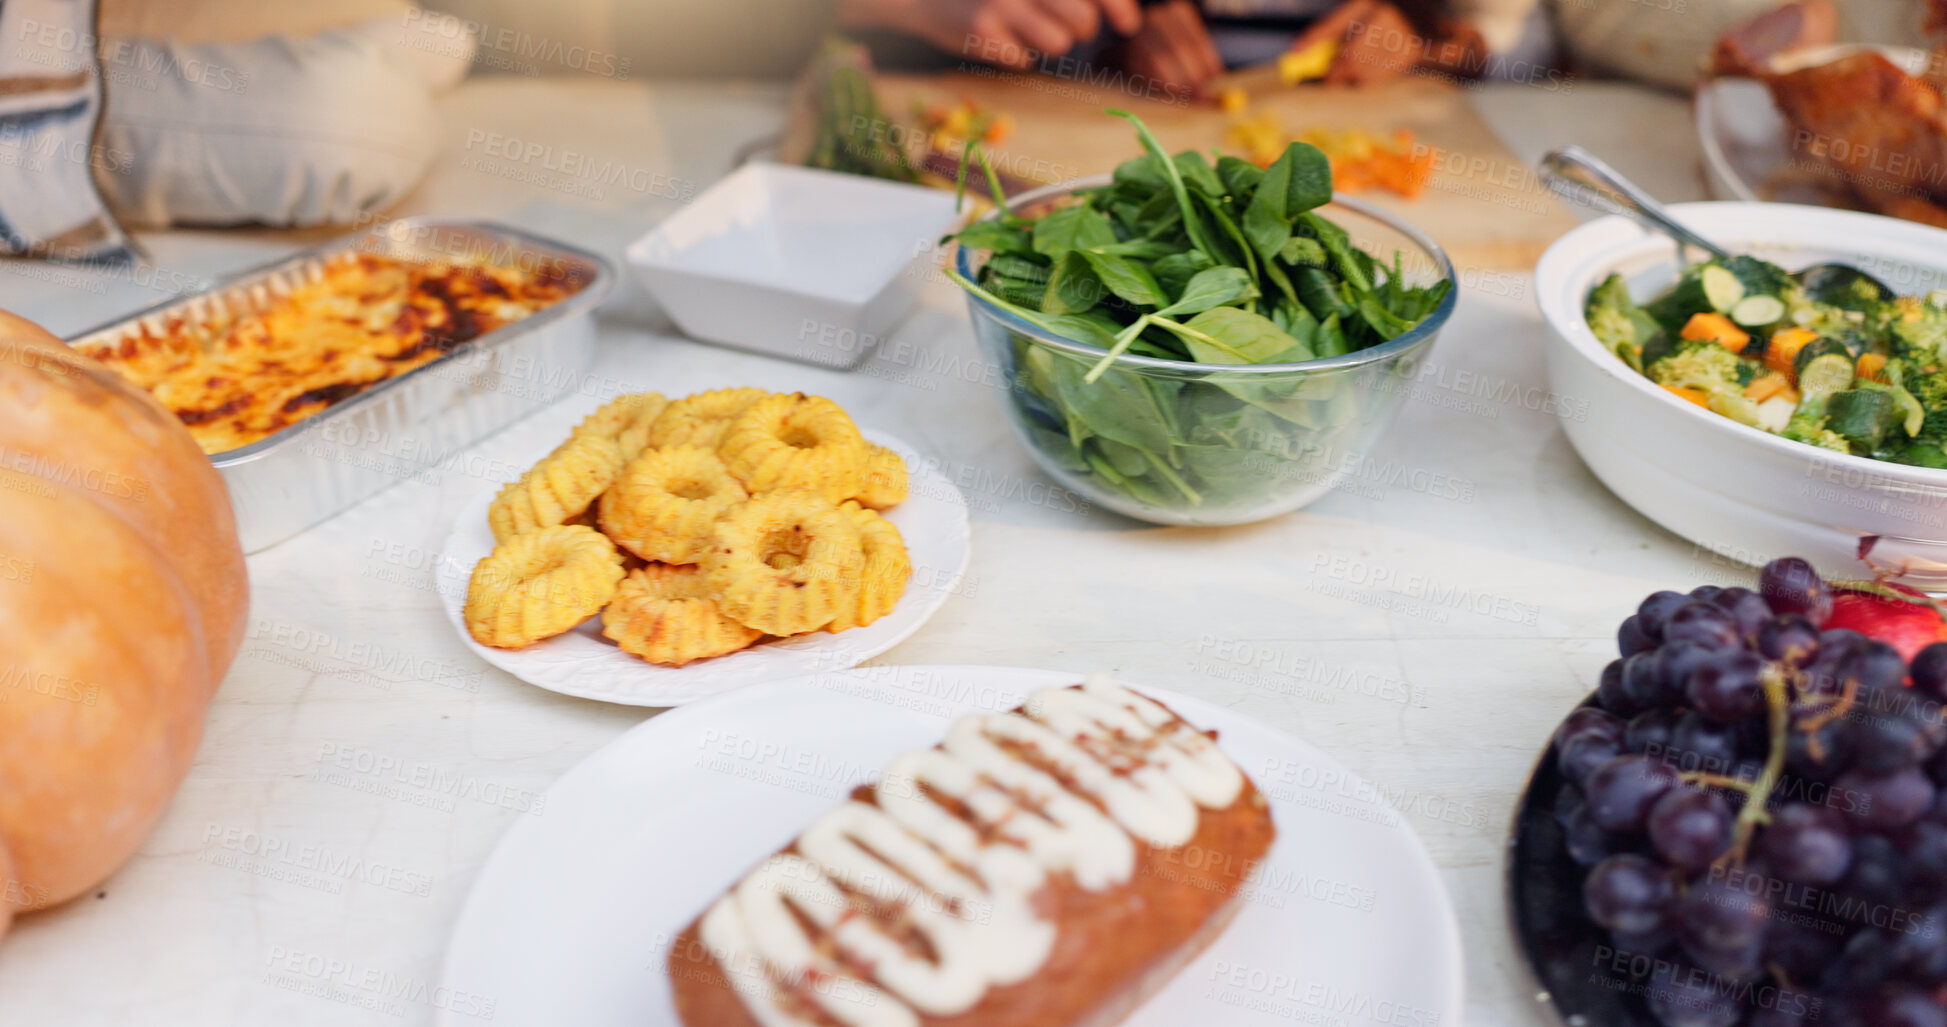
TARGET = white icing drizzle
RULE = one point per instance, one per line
(966, 889)
(1190, 758)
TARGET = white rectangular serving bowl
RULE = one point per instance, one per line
(794, 262)
(1732, 489)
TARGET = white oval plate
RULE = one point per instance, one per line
(1746, 142)
(933, 521)
(571, 918)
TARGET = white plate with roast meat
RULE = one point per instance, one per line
(578, 914)
(1748, 143)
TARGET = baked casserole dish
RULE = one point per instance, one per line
(359, 320)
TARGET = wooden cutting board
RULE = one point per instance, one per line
(1483, 205)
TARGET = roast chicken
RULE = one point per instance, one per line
(1874, 130)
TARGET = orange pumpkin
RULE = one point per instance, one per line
(123, 596)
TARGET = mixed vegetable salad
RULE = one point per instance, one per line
(1182, 259)
(1828, 357)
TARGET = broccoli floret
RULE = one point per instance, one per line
(1715, 371)
(1919, 329)
(1922, 454)
(1846, 326)
(1809, 427)
(1927, 384)
(1705, 366)
(1618, 322)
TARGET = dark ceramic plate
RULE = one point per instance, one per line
(1580, 978)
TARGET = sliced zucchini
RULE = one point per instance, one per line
(1912, 416)
(1863, 416)
(1758, 311)
(1703, 288)
(1833, 355)
(1721, 289)
(1825, 373)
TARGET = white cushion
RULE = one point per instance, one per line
(279, 130)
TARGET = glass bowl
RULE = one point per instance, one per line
(1246, 442)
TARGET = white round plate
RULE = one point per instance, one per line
(933, 521)
(1746, 142)
(571, 919)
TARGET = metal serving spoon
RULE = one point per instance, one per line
(1577, 175)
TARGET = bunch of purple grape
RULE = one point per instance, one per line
(1762, 809)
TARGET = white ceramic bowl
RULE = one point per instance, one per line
(1734, 490)
(793, 262)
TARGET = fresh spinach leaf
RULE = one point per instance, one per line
(1229, 335)
(1191, 223)
(996, 236)
(1320, 293)
(1216, 287)
(1240, 176)
(1071, 228)
(1126, 278)
(1339, 245)
(1117, 406)
(1331, 338)
(1300, 179)
(1303, 251)
(1144, 172)
(1073, 288)
(1140, 249)
(1174, 272)
(1197, 173)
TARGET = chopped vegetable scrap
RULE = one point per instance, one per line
(1361, 160)
(1311, 62)
(949, 128)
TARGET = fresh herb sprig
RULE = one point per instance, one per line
(1181, 259)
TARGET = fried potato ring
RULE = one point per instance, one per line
(666, 501)
(795, 441)
(558, 489)
(665, 614)
(887, 568)
(539, 584)
(882, 483)
(786, 562)
(626, 419)
(700, 420)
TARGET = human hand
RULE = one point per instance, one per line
(1174, 48)
(1460, 50)
(1376, 43)
(1014, 33)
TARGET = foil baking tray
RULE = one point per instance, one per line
(411, 427)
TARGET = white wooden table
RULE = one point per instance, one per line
(1427, 624)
